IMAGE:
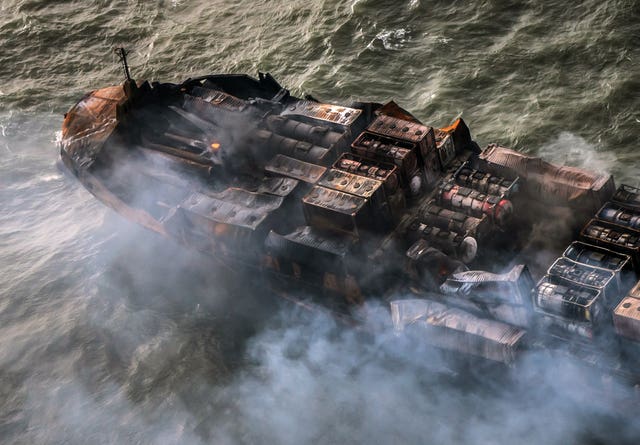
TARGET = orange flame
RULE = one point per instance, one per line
(215, 146)
(220, 229)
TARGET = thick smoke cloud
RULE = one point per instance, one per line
(146, 342)
(316, 383)
(184, 356)
(291, 376)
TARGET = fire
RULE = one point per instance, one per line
(215, 146)
(220, 229)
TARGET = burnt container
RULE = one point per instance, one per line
(628, 196)
(329, 209)
(367, 188)
(595, 256)
(448, 219)
(445, 147)
(564, 327)
(450, 242)
(614, 237)
(383, 149)
(603, 280)
(381, 171)
(485, 182)
(320, 135)
(560, 297)
(618, 214)
(421, 137)
(378, 171)
(626, 316)
(474, 203)
(295, 168)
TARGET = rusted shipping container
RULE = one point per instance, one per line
(626, 316)
(455, 329)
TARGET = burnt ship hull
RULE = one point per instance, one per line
(363, 201)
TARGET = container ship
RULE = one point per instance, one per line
(485, 252)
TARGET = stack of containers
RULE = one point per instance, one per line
(624, 212)
(581, 287)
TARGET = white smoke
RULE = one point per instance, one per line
(570, 149)
(159, 345)
(312, 382)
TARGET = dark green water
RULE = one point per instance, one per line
(109, 335)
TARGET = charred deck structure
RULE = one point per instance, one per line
(359, 201)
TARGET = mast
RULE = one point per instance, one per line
(129, 85)
(122, 53)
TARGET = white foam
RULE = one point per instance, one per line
(392, 39)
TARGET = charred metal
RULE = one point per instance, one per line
(362, 201)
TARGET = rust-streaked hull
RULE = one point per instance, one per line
(85, 130)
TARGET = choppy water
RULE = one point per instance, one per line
(111, 335)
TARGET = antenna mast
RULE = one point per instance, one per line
(122, 53)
